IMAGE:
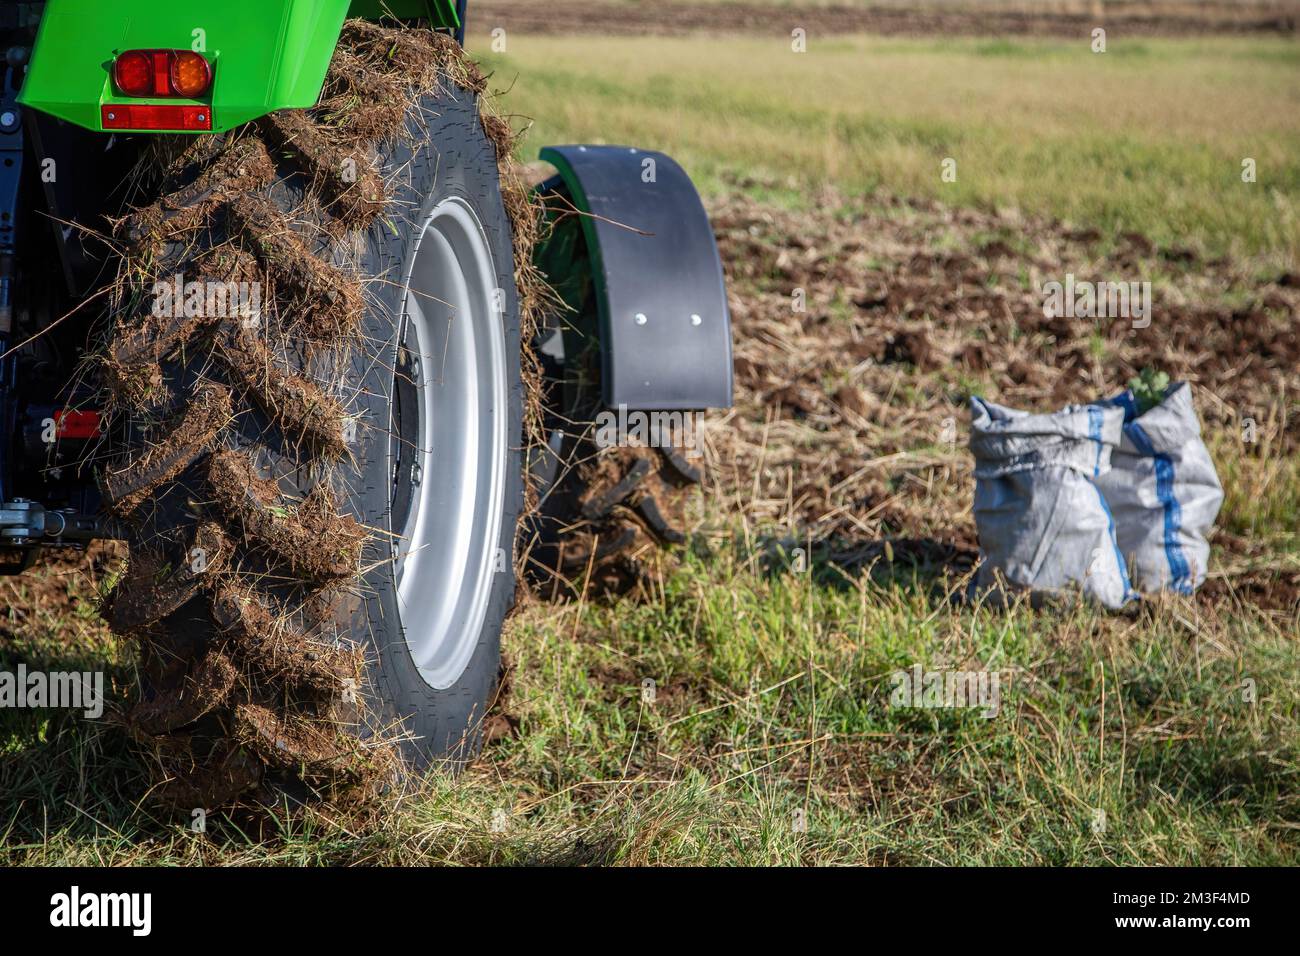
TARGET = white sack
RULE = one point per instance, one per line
(1163, 492)
(1042, 523)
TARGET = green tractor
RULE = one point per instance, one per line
(278, 309)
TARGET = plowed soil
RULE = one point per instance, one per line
(1134, 19)
(861, 330)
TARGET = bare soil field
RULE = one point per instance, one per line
(1134, 19)
(862, 330)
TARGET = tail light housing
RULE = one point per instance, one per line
(162, 73)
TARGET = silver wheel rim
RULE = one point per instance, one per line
(453, 370)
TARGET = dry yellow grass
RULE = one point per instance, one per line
(1149, 136)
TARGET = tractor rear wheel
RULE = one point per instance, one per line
(322, 494)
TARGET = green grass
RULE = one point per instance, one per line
(1261, 486)
(773, 698)
(1148, 137)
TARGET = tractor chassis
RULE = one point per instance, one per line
(46, 498)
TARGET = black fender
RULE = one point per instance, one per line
(664, 326)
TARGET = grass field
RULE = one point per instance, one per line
(1169, 735)
(1149, 136)
(1119, 740)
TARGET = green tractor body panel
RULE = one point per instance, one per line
(265, 54)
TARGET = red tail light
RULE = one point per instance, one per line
(149, 116)
(74, 424)
(162, 73)
(133, 73)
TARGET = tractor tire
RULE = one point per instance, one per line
(613, 518)
(322, 495)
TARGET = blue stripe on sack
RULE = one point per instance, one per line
(1129, 593)
(1180, 577)
(1125, 399)
(1094, 432)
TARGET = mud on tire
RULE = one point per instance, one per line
(254, 460)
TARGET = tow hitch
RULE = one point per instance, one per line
(27, 526)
